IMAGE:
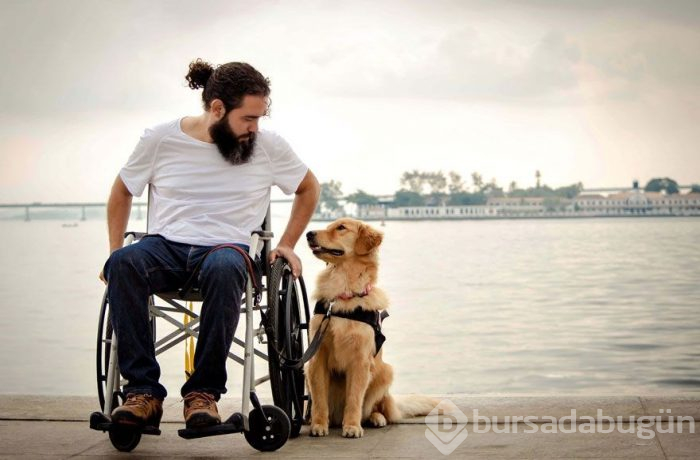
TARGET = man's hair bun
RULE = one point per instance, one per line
(199, 74)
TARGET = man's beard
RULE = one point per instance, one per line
(235, 150)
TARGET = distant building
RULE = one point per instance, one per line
(330, 214)
(638, 202)
(440, 212)
(516, 206)
(685, 205)
(371, 211)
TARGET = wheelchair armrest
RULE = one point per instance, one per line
(264, 234)
(137, 235)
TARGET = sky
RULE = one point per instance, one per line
(598, 92)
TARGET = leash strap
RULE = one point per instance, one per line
(187, 287)
(313, 346)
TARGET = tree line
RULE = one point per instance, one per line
(435, 188)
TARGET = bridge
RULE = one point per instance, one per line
(140, 207)
(82, 206)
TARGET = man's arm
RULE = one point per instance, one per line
(118, 210)
(305, 201)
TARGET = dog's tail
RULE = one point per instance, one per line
(407, 406)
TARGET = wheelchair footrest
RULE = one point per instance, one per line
(234, 424)
(101, 422)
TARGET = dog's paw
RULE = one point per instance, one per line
(377, 419)
(319, 430)
(352, 431)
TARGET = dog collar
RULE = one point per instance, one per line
(352, 295)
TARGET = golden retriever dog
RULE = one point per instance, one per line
(347, 378)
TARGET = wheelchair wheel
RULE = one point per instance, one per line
(124, 440)
(289, 319)
(104, 340)
(267, 435)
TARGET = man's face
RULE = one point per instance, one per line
(234, 134)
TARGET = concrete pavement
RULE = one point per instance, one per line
(57, 427)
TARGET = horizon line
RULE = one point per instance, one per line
(274, 200)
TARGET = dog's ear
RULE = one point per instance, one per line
(367, 239)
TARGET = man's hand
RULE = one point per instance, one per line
(292, 258)
(305, 200)
(102, 277)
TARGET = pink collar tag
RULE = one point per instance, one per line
(351, 295)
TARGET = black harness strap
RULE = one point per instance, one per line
(372, 318)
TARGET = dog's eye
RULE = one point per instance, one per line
(340, 227)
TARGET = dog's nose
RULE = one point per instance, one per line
(310, 235)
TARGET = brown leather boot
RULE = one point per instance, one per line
(200, 410)
(139, 410)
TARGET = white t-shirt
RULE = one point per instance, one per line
(199, 198)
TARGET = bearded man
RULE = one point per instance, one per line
(209, 179)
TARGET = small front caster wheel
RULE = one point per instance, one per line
(124, 439)
(270, 431)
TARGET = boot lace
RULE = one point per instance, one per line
(197, 400)
(137, 399)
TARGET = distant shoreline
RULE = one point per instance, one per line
(427, 219)
(73, 217)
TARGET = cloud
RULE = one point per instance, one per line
(536, 52)
(461, 64)
(79, 55)
(86, 55)
(583, 82)
(678, 12)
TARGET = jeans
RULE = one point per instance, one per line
(153, 265)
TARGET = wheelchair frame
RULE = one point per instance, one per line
(284, 318)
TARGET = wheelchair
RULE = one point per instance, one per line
(281, 310)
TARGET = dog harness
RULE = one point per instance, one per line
(325, 308)
(373, 318)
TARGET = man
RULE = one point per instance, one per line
(210, 178)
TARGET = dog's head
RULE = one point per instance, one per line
(344, 238)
